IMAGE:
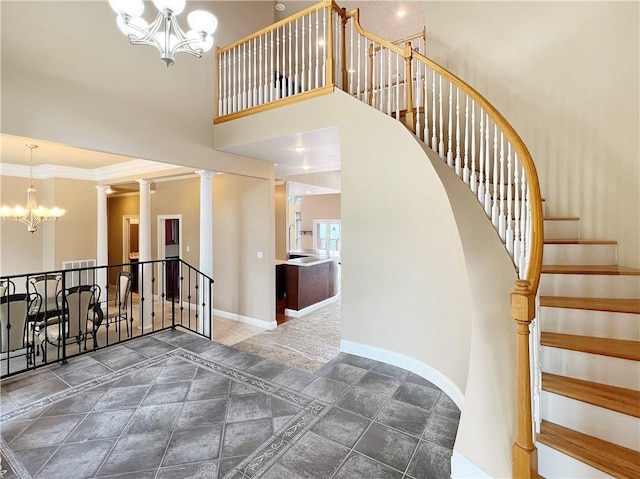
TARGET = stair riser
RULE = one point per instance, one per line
(587, 254)
(595, 421)
(623, 373)
(602, 324)
(590, 285)
(561, 229)
(553, 464)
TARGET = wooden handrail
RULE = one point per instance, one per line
(278, 24)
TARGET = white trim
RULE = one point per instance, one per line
(408, 363)
(128, 220)
(110, 172)
(309, 309)
(463, 468)
(246, 319)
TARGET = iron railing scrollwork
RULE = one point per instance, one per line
(52, 316)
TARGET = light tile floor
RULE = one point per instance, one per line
(174, 405)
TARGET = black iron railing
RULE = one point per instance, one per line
(51, 316)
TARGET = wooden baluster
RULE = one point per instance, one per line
(450, 129)
(234, 99)
(527, 250)
(310, 60)
(524, 240)
(324, 47)
(474, 178)
(509, 233)
(487, 169)
(285, 60)
(496, 178)
(481, 160)
(254, 92)
(465, 170)
(219, 79)
(434, 139)
(303, 65)
(381, 80)
(458, 159)
(317, 71)
(389, 81)
(277, 71)
(372, 49)
(441, 144)
(290, 61)
(516, 213)
(261, 68)
(418, 90)
(244, 76)
(426, 106)
(351, 70)
(397, 97)
(296, 76)
(359, 52)
(272, 73)
(524, 452)
(502, 217)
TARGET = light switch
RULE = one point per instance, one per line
(187, 249)
(259, 254)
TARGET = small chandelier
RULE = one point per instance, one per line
(164, 33)
(33, 214)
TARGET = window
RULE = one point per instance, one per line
(326, 235)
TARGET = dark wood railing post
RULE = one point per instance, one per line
(343, 46)
(410, 118)
(524, 452)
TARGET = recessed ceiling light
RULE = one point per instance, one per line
(305, 167)
(401, 12)
(299, 148)
(280, 7)
(321, 43)
(308, 192)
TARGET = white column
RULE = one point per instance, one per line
(206, 245)
(145, 272)
(102, 250)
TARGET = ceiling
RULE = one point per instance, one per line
(322, 147)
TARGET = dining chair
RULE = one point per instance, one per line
(119, 309)
(14, 333)
(77, 306)
(48, 286)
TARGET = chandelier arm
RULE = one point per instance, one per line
(149, 33)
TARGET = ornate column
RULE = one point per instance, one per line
(145, 272)
(102, 249)
(205, 324)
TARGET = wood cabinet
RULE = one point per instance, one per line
(308, 284)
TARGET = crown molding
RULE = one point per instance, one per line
(44, 172)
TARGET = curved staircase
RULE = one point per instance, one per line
(589, 357)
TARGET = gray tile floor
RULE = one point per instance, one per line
(174, 405)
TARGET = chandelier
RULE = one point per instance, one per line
(164, 33)
(33, 214)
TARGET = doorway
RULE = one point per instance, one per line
(170, 248)
(130, 248)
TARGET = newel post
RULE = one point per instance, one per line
(345, 77)
(525, 454)
(330, 73)
(409, 119)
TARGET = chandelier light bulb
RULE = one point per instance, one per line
(176, 6)
(132, 8)
(202, 21)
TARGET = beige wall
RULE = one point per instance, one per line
(72, 237)
(243, 219)
(317, 207)
(567, 76)
(282, 227)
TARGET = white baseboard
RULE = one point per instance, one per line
(246, 319)
(462, 468)
(408, 363)
(309, 309)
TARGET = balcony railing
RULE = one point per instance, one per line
(52, 316)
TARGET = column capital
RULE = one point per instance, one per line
(102, 188)
(205, 173)
(142, 182)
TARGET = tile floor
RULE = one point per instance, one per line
(174, 405)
